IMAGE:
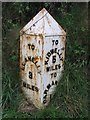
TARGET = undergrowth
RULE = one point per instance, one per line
(70, 98)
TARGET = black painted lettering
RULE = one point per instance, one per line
(54, 59)
(47, 57)
(29, 46)
(48, 54)
(32, 47)
(48, 86)
(51, 68)
(38, 66)
(46, 62)
(61, 59)
(26, 60)
(28, 86)
(56, 82)
(53, 42)
(56, 42)
(55, 50)
(30, 75)
(23, 66)
(52, 51)
(24, 84)
(59, 66)
(56, 67)
(45, 92)
(29, 58)
(36, 62)
(45, 97)
(32, 87)
(36, 89)
(33, 59)
(48, 69)
(52, 82)
(51, 75)
(55, 74)
(60, 55)
(44, 101)
(58, 51)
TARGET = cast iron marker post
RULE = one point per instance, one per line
(42, 54)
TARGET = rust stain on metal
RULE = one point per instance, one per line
(49, 23)
(36, 58)
(42, 51)
(41, 36)
(40, 58)
(39, 42)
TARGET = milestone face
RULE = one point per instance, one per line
(42, 61)
(53, 64)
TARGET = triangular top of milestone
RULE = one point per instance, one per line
(43, 23)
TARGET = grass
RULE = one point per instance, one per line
(69, 100)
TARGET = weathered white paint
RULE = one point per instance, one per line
(42, 52)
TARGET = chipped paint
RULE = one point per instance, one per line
(42, 54)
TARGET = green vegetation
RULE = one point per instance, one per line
(71, 98)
